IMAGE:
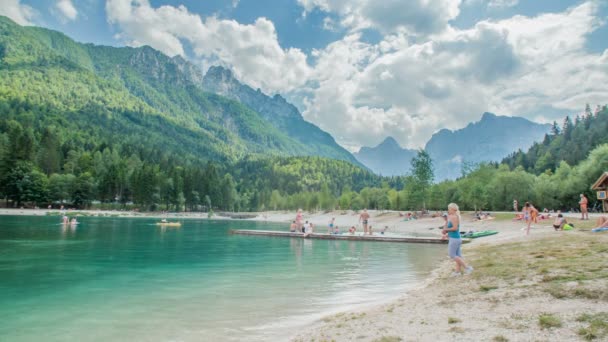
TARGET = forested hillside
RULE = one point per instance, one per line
(86, 126)
(570, 143)
(82, 124)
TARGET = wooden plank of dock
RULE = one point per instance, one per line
(340, 236)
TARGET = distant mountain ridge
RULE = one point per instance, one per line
(387, 159)
(489, 140)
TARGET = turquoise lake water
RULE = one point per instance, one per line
(120, 279)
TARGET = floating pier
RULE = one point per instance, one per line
(349, 237)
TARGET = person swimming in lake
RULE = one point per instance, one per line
(66, 220)
(74, 221)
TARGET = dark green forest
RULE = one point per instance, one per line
(122, 128)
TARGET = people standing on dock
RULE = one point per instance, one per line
(330, 226)
(299, 220)
(583, 203)
(364, 219)
(452, 227)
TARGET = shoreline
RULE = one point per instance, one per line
(515, 286)
(487, 306)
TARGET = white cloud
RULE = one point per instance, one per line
(362, 92)
(252, 51)
(502, 3)
(418, 17)
(18, 12)
(66, 9)
(518, 66)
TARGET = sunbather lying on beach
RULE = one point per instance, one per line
(602, 222)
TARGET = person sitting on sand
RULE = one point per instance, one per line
(559, 222)
(602, 222)
(352, 230)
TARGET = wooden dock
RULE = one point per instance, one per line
(348, 237)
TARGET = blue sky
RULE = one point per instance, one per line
(363, 69)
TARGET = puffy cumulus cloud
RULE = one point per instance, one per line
(251, 51)
(536, 67)
(20, 13)
(66, 9)
(419, 17)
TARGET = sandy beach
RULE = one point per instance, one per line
(524, 288)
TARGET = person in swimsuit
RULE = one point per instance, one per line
(529, 213)
(452, 229)
(330, 226)
(364, 219)
(602, 222)
(299, 220)
(559, 222)
(583, 203)
(293, 227)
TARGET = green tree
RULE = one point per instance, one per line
(422, 177)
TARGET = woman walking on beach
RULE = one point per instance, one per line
(452, 228)
(529, 213)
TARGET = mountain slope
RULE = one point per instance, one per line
(136, 86)
(387, 159)
(276, 110)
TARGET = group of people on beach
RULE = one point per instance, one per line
(307, 228)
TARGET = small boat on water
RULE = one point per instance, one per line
(169, 224)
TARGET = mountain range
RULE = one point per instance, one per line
(489, 140)
(141, 98)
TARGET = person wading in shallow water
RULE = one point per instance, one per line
(452, 227)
